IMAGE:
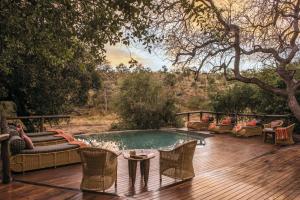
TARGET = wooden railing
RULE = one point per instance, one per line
(4, 137)
(41, 118)
(235, 115)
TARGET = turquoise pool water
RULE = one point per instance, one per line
(143, 139)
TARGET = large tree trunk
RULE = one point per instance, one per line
(294, 106)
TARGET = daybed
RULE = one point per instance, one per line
(248, 129)
(44, 156)
(200, 125)
(225, 126)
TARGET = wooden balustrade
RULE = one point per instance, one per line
(41, 118)
(235, 115)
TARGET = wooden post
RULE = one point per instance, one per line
(42, 124)
(200, 116)
(188, 117)
(217, 118)
(6, 175)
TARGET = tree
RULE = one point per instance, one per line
(49, 49)
(224, 35)
(143, 103)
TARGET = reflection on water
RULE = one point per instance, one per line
(140, 139)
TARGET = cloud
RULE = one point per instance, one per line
(122, 54)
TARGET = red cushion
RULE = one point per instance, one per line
(251, 123)
(205, 119)
(28, 141)
(226, 121)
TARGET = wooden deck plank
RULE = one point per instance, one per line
(226, 168)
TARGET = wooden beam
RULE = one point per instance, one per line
(6, 175)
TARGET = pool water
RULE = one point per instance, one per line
(143, 139)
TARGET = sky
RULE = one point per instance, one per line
(121, 54)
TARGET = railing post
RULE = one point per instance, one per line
(42, 124)
(6, 175)
(217, 118)
(200, 116)
(188, 117)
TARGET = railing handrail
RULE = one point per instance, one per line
(234, 114)
(39, 117)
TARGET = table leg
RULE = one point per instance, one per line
(264, 136)
(145, 166)
(132, 170)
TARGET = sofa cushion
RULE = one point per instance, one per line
(38, 134)
(16, 144)
(46, 138)
(50, 148)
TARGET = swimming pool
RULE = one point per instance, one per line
(143, 139)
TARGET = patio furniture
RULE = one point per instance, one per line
(48, 140)
(248, 129)
(44, 156)
(284, 135)
(178, 162)
(41, 138)
(99, 167)
(269, 130)
(200, 125)
(144, 166)
(39, 134)
(225, 126)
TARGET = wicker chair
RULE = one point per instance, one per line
(178, 163)
(99, 168)
(289, 140)
(273, 125)
(269, 130)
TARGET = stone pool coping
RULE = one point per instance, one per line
(176, 130)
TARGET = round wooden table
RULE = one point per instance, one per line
(144, 166)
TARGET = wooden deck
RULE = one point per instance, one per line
(226, 168)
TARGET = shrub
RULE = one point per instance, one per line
(143, 103)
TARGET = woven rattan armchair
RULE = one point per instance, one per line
(99, 167)
(289, 140)
(178, 162)
(274, 124)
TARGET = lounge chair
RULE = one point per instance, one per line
(178, 162)
(225, 126)
(288, 138)
(44, 156)
(248, 129)
(99, 167)
(200, 125)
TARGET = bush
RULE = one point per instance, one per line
(142, 103)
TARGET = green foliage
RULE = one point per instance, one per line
(169, 79)
(242, 97)
(234, 99)
(198, 103)
(143, 103)
(49, 49)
